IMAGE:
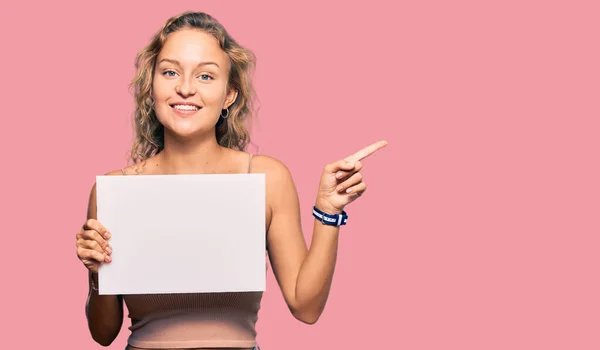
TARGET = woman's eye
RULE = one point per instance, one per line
(169, 73)
(205, 77)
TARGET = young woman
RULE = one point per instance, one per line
(193, 96)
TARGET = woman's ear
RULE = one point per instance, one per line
(231, 97)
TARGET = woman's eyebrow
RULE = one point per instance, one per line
(179, 64)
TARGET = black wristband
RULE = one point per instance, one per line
(330, 219)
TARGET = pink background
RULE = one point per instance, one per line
(480, 226)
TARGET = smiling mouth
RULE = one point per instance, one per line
(186, 108)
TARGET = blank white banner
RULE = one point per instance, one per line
(183, 233)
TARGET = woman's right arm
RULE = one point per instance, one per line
(104, 312)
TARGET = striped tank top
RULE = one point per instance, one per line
(199, 320)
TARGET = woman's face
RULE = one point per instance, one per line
(190, 83)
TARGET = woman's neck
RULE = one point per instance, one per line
(190, 157)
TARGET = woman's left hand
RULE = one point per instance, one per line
(342, 182)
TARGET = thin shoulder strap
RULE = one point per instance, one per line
(123, 171)
(250, 163)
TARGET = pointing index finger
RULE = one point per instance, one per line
(367, 151)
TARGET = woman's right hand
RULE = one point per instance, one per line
(92, 245)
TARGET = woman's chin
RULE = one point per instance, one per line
(189, 132)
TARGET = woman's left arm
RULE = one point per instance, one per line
(305, 275)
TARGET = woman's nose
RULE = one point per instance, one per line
(185, 88)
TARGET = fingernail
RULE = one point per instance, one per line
(339, 188)
(108, 259)
(349, 190)
(338, 175)
(350, 164)
(107, 235)
(109, 250)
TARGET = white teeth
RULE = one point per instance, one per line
(186, 107)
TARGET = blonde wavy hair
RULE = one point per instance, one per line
(231, 132)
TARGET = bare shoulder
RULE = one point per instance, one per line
(280, 188)
(116, 172)
(135, 169)
(271, 166)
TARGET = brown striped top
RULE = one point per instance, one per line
(197, 320)
(193, 320)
